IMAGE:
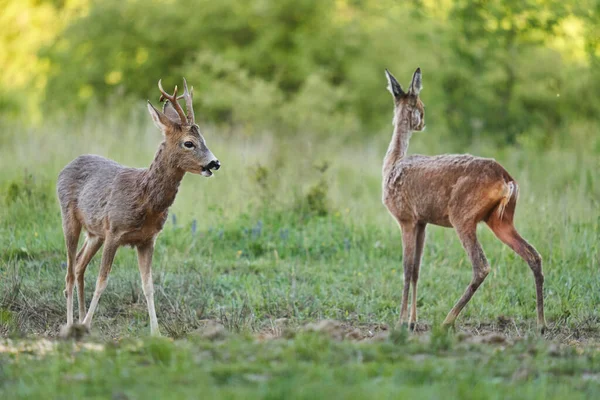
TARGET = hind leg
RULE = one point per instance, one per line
(90, 248)
(506, 232)
(80, 252)
(111, 245)
(71, 230)
(481, 268)
(467, 208)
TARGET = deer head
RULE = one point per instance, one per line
(184, 142)
(408, 106)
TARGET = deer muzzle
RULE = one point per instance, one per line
(207, 169)
(214, 164)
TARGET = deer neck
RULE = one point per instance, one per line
(161, 181)
(399, 144)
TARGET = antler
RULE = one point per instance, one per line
(173, 100)
(187, 95)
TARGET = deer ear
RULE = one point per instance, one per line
(170, 112)
(416, 85)
(161, 121)
(393, 86)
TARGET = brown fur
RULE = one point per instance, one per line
(457, 191)
(118, 206)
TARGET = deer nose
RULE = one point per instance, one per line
(214, 164)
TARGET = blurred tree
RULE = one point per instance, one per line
(116, 48)
(587, 85)
(26, 26)
(494, 68)
(494, 41)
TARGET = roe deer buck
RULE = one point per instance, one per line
(119, 206)
(455, 191)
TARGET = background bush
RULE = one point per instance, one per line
(504, 70)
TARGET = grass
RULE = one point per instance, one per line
(289, 232)
(307, 366)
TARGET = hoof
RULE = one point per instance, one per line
(543, 329)
(412, 326)
(74, 331)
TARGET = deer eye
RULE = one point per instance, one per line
(189, 145)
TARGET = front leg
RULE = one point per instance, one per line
(409, 250)
(145, 252)
(420, 243)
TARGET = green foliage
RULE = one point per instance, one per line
(493, 51)
(28, 26)
(501, 69)
(263, 180)
(315, 201)
(254, 63)
(441, 338)
(27, 191)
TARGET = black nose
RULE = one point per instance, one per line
(214, 164)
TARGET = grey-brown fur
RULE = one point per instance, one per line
(118, 206)
(457, 191)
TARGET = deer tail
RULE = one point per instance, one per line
(511, 191)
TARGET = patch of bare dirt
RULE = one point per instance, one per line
(334, 329)
(41, 347)
(502, 331)
(586, 332)
(212, 330)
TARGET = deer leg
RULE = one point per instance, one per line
(145, 264)
(506, 232)
(409, 244)
(71, 229)
(80, 252)
(481, 268)
(90, 248)
(420, 242)
(108, 255)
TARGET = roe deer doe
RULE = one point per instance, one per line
(119, 206)
(455, 191)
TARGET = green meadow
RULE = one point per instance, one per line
(286, 234)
